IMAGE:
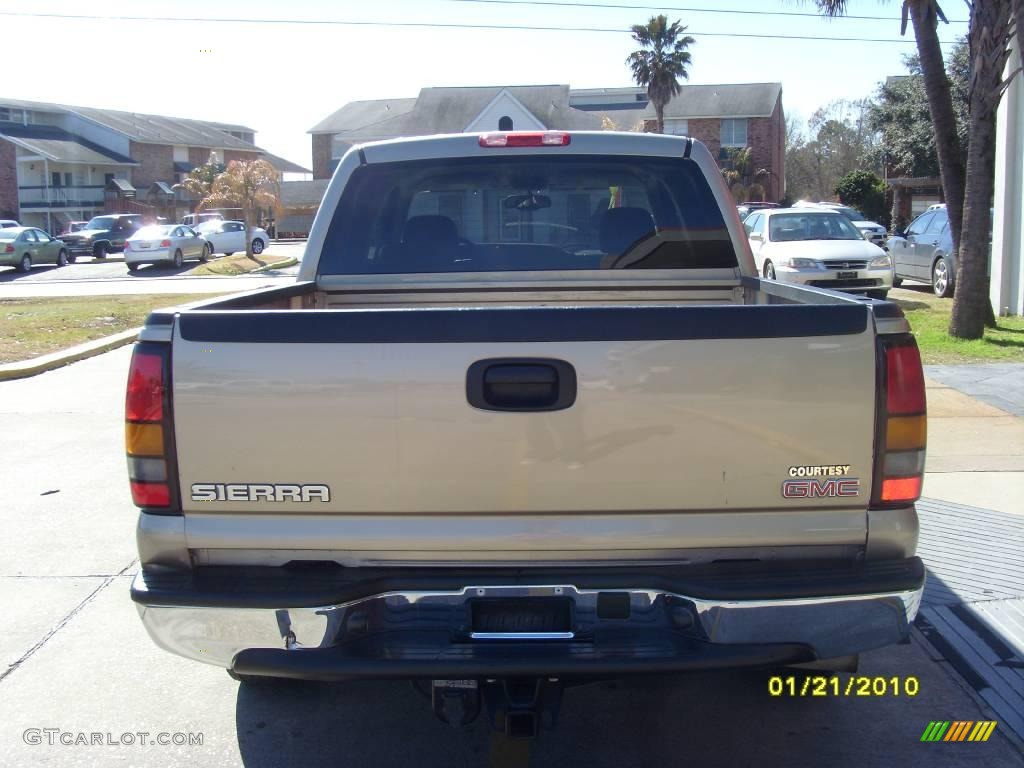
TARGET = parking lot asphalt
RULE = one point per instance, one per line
(109, 276)
(77, 659)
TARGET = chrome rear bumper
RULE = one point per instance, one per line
(429, 634)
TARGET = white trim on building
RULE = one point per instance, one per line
(1007, 268)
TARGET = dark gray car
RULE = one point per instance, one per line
(925, 252)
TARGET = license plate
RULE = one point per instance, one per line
(143, 245)
(845, 275)
(521, 615)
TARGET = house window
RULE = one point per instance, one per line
(734, 132)
(505, 123)
(677, 127)
(5, 113)
(181, 154)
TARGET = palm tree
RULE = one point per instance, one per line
(990, 35)
(661, 62)
(249, 185)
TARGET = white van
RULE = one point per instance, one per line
(193, 219)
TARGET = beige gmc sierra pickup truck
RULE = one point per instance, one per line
(528, 418)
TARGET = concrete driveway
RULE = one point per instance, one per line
(77, 660)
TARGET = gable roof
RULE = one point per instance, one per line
(303, 194)
(157, 129)
(57, 145)
(450, 110)
(361, 114)
(149, 129)
(725, 100)
(283, 164)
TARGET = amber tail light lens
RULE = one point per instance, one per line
(901, 428)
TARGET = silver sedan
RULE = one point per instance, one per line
(165, 243)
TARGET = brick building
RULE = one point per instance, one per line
(721, 116)
(58, 163)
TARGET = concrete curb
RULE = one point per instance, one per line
(25, 368)
(289, 262)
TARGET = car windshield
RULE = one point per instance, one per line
(514, 213)
(788, 227)
(155, 231)
(851, 213)
(101, 222)
(208, 226)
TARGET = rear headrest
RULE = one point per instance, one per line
(430, 230)
(621, 227)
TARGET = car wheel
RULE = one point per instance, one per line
(257, 246)
(206, 254)
(229, 253)
(133, 267)
(100, 251)
(897, 282)
(881, 295)
(62, 258)
(72, 258)
(179, 260)
(25, 264)
(769, 271)
(942, 278)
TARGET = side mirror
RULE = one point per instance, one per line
(756, 236)
(899, 233)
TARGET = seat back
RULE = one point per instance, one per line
(621, 227)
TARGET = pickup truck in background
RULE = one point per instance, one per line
(102, 235)
(528, 418)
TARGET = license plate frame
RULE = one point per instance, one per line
(846, 275)
(520, 618)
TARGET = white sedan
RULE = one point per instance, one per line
(164, 243)
(817, 247)
(227, 237)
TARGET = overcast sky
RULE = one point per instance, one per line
(281, 78)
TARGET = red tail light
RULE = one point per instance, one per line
(9, 249)
(127, 245)
(145, 399)
(905, 379)
(901, 430)
(538, 139)
(165, 243)
(151, 494)
(148, 434)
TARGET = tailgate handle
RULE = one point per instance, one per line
(521, 384)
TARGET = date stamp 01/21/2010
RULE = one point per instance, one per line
(855, 685)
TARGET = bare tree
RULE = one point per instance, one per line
(249, 185)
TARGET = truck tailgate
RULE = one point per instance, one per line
(689, 408)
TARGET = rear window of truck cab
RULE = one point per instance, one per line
(526, 213)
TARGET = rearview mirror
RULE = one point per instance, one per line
(530, 202)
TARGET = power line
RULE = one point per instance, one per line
(438, 25)
(805, 14)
